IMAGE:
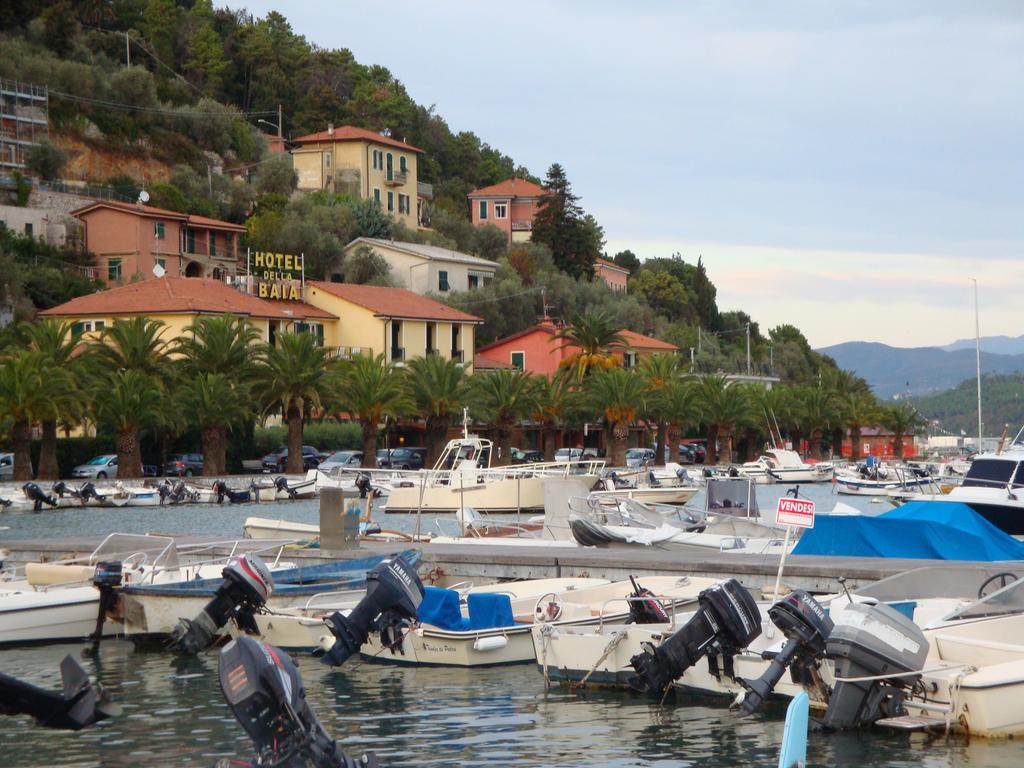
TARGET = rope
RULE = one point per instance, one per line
(546, 631)
(612, 645)
(968, 669)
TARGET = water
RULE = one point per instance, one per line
(174, 714)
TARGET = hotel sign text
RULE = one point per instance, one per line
(277, 275)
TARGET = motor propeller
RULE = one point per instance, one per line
(80, 703)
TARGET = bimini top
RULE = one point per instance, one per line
(916, 530)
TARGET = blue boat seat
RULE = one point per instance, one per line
(488, 610)
(440, 608)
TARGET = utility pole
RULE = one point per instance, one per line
(698, 339)
(771, 359)
(977, 356)
(691, 359)
(127, 51)
(280, 124)
(748, 349)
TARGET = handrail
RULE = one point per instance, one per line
(636, 598)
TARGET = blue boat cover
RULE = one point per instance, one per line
(488, 611)
(440, 608)
(934, 530)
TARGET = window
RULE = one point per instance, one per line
(455, 341)
(327, 159)
(396, 340)
(213, 243)
(113, 269)
(87, 326)
(474, 281)
(158, 230)
(190, 241)
(376, 194)
(519, 360)
(28, 229)
(378, 160)
(401, 164)
(390, 164)
(391, 201)
(501, 210)
(430, 338)
(483, 210)
(403, 203)
(629, 359)
(162, 262)
(77, 329)
(442, 280)
(99, 325)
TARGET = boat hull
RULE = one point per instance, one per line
(671, 495)
(55, 616)
(507, 495)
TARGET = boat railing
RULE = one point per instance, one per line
(333, 592)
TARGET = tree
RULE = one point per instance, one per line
(366, 267)
(205, 60)
(724, 406)
(488, 242)
(53, 339)
(46, 160)
(627, 260)
(679, 409)
(665, 293)
(277, 176)
(293, 380)
(618, 394)
(502, 398)
(593, 334)
(560, 224)
(371, 389)
(437, 388)
(658, 372)
(902, 419)
(28, 383)
(135, 344)
(819, 409)
(216, 402)
(859, 409)
(553, 400)
(129, 400)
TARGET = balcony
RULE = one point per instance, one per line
(395, 178)
(397, 354)
(522, 225)
(347, 353)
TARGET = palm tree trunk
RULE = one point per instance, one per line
(211, 451)
(550, 436)
(796, 437)
(837, 442)
(129, 454)
(21, 437)
(620, 434)
(294, 419)
(673, 442)
(816, 443)
(369, 427)
(437, 432)
(897, 446)
(222, 452)
(712, 450)
(48, 469)
(725, 444)
(854, 444)
(659, 445)
(503, 433)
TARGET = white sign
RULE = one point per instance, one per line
(798, 512)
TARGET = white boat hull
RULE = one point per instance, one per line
(505, 495)
(671, 495)
(52, 616)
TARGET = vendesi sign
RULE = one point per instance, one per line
(798, 512)
(277, 275)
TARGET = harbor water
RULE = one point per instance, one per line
(174, 714)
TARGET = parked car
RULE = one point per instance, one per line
(526, 456)
(691, 453)
(382, 457)
(184, 465)
(342, 460)
(566, 455)
(6, 466)
(150, 470)
(278, 460)
(403, 458)
(639, 457)
(99, 468)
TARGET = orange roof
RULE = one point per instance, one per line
(610, 264)
(394, 302)
(638, 340)
(481, 363)
(351, 133)
(163, 213)
(544, 326)
(203, 221)
(171, 295)
(304, 310)
(511, 188)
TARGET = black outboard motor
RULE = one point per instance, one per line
(870, 641)
(653, 480)
(281, 484)
(247, 585)
(264, 690)
(106, 578)
(726, 622)
(174, 493)
(79, 704)
(393, 594)
(364, 485)
(803, 621)
(59, 488)
(645, 607)
(87, 491)
(234, 497)
(37, 496)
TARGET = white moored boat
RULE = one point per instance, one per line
(778, 465)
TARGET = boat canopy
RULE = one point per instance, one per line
(917, 530)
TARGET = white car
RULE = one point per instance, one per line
(565, 455)
(100, 468)
(342, 460)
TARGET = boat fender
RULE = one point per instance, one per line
(490, 643)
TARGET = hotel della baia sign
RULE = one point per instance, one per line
(277, 275)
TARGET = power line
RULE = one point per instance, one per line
(502, 298)
(153, 110)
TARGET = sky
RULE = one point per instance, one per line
(844, 167)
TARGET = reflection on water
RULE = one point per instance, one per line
(174, 715)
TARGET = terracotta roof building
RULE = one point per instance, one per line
(614, 276)
(510, 205)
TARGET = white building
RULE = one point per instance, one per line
(427, 268)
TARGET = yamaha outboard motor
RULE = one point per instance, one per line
(363, 484)
(393, 595)
(726, 622)
(37, 496)
(264, 690)
(653, 480)
(79, 704)
(175, 493)
(247, 585)
(872, 641)
(803, 621)
(59, 488)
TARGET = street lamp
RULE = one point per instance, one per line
(272, 125)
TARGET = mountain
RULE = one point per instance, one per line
(892, 370)
(1002, 402)
(1001, 345)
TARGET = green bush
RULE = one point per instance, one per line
(323, 435)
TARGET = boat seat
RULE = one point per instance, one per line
(45, 574)
(489, 610)
(440, 608)
(978, 653)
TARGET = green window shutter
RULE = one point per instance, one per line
(483, 209)
(442, 280)
(77, 329)
(519, 360)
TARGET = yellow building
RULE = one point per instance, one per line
(354, 161)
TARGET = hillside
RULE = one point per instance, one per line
(1001, 345)
(921, 370)
(1002, 402)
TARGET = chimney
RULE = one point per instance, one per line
(330, 129)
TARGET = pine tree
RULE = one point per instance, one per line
(574, 239)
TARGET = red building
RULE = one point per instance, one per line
(614, 276)
(510, 205)
(877, 441)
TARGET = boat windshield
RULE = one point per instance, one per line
(158, 551)
(1006, 601)
(990, 473)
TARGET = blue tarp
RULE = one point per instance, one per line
(934, 530)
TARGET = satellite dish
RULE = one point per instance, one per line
(143, 197)
(158, 271)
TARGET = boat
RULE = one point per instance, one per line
(129, 496)
(878, 479)
(463, 477)
(348, 480)
(778, 465)
(643, 487)
(282, 489)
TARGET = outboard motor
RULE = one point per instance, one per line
(364, 485)
(263, 687)
(871, 641)
(726, 622)
(247, 585)
(707, 472)
(645, 607)
(393, 595)
(234, 497)
(59, 488)
(37, 496)
(281, 484)
(87, 491)
(106, 578)
(733, 472)
(803, 621)
(652, 480)
(78, 705)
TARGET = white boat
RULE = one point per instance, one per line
(283, 489)
(131, 496)
(641, 488)
(463, 477)
(345, 479)
(883, 480)
(778, 465)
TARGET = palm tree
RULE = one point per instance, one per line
(724, 406)
(619, 395)
(134, 344)
(53, 339)
(437, 388)
(129, 400)
(859, 409)
(503, 398)
(221, 344)
(593, 334)
(659, 371)
(293, 380)
(216, 402)
(371, 389)
(842, 383)
(902, 419)
(679, 409)
(553, 400)
(819, 408)
(29, 383)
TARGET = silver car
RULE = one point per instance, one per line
(99, 468)
(342, 460)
